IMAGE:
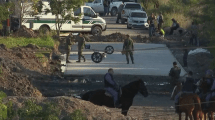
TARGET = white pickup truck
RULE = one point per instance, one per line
(128, 8)
(98, 7)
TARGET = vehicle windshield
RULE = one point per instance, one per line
(139, 15)
(132, 6)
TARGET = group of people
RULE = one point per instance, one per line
(189, 85)
(81, 45)
(128, 47)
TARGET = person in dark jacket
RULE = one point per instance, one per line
(175, 26)
(81, 44)
(105, 4)
(119, 13)
(160, 21)
(188, 87)
(185, 56)
(151, 21)
(174, 73)
(112, 87)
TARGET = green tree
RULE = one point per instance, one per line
(4, 13)
(63, 9)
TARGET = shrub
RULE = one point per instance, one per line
(77, 115)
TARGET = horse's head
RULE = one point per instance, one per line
(142, 88)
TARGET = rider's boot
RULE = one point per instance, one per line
(117, 104)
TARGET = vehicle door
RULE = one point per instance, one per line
(88, 19)
(77, 26)
(98, 6)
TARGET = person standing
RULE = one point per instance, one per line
(68, 47)
(151, 24)
(185, 56)
(174, 73)
(128, 47)
(175, 26)
(160, 21)
(119, 13)
(81, 44)
(105, 4)
(112, 87)
(108, 11)
(194, 32)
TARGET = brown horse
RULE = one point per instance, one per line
(204, 86)
(129, 91)
(190, 104)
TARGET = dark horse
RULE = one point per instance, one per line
(129, 91)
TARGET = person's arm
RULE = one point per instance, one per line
(170, 72)
(123, 46)
(132, 43)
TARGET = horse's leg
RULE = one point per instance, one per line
(190, 116)
(179, 115)
(212, 115)
(125, 110)
(186, 116)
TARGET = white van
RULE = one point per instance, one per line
(89, 21)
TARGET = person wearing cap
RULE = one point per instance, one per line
(160, 21)
(81, 44)
(175, 26)
(128, 47)
(185, 56)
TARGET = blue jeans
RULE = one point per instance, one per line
(113, 93)
(105, 10)
(151, 30)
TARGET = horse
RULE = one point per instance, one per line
(190, 104)
(129, 91)
(204, 86)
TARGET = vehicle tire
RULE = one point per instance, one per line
(122, 21)
(128, 27)
(96, 31)
(96, 57)
(44, 30)
(114, 11)
(109, 49)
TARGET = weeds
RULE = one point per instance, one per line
(77, 115)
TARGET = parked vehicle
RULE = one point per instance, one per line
(137, 19)
(89, 21)
(128, 8)
(98, 6)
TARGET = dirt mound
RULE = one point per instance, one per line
(115, 37)
(69, 104)
(18, 66)
(23, 31)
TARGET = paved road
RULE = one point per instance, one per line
(156, 61)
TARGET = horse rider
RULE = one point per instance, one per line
(68, 47)
(174, 73)
(112, 87)
(188, 87)
(211, 89)
(128, 47)
(81, 44)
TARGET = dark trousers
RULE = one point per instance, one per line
(105, 10)
(80, 55)
(160, 26)
(67, 55)
(193, 40)
(118, 17)
(172, 29)
(131, 55)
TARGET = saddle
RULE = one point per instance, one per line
(109, 95)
